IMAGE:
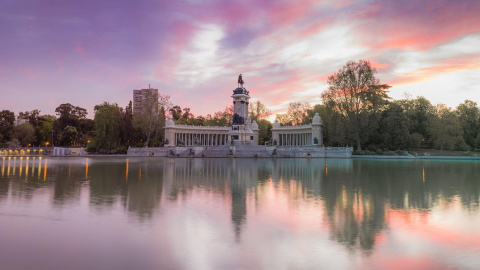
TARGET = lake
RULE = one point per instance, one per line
(163, 213)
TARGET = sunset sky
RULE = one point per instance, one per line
(86, 52)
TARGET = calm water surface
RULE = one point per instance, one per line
(152, 213)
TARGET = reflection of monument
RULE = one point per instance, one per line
(222, 176)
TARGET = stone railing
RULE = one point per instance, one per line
(292, 127)
(200, 127)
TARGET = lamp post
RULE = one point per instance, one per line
(52, 137)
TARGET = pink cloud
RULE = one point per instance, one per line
(79, 49)
(417, 24)
(453, 64)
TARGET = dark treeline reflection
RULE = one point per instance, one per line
(356, 195)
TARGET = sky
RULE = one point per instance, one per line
(87, 52)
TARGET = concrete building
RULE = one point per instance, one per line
(141, 97)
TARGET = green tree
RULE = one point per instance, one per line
(396, 127)
(469, 117)
(70, 115)
(69, 135)
(7, 122)
(24, 133)
(128, 134)
(176, 112)
(356, 93)
(45, 129)
(264, 131)
(107, 127)
(419, 112)
(40, 123)
(445, 129)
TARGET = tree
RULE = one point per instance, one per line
(151, 121)
(40, 123)
(176, 112)
(127, 132)
(395, 124)
(298, 112)
(74, 116)
(445, 129)
(296, 115)
(419, 112)
(14, 143)
(283, 119)
(265, 131)
(257, 111)
(469, 117)
(107, 126)
(24, 133)
(69, 135)
(223, 118)
(7, 122)
(355, 92)
(186, 113)
(69, 115)
(44, 135)
(32, 116)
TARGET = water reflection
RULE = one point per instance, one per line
(361, 206)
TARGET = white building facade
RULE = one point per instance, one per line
(242, 130)
(302, 135)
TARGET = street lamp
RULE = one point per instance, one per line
(52, 137)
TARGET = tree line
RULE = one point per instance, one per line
(356, 111)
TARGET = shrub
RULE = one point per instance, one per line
(463, 146)
(372, 147)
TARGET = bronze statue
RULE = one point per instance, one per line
(240, 81)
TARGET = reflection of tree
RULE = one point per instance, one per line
(139, 193)
(66, 185)
(22, 183)
(356, 202)
(356, 194)
(4, 184)
(144, 189)
(105, 179)
(189, 174)
(307, 171)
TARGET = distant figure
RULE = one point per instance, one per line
(240, 81)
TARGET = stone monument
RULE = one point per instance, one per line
(242, 129)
